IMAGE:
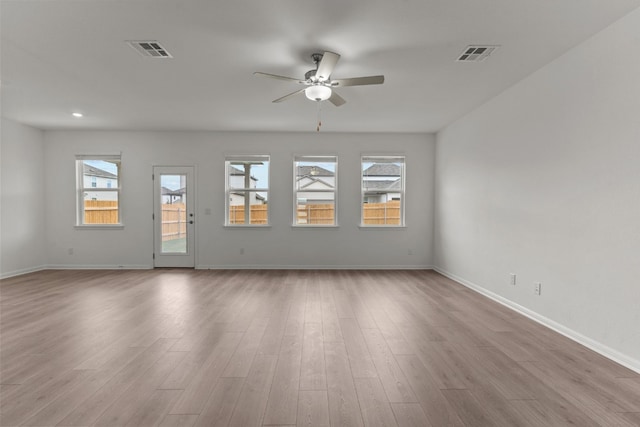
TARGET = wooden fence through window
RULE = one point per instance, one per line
(316, 214)
(174, 216)
(322, 214)
(258, 214)
(101, 212)
(381, 213)
(174, 221)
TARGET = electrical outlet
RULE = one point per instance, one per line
(537, 288)
(513, 279)
(241, 251)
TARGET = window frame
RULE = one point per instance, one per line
(81, 189)
(331, 158)
(251, 158)
(384, 158)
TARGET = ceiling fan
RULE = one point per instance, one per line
(318, 83)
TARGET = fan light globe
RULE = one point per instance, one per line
(318, 92)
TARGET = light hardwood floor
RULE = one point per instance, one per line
(314, 348)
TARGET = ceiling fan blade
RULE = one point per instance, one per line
(326, 65)
(358, 81)
(275, 76)
(291, 95)
(336, 99)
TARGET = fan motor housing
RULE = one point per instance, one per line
(316, 57)
(309, 74)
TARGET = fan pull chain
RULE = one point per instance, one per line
(319, 116)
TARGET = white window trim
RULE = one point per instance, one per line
(99, 227)
(228, 161)
(330, 158)
(388, 158)
(80, 190)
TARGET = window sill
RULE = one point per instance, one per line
(246, 227)
(383, 227)
(303, 226)
(99, 227)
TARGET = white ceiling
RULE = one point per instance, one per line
(62, 56)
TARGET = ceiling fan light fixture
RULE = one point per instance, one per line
(318, 92)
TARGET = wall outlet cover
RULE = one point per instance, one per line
(537, 288)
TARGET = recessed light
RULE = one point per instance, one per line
(77, 115)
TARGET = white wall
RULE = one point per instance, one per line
(280, 245)
(544, 181)
(22, 199)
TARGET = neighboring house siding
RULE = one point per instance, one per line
(236, 180)
(379, 180)
(97, 178)
(325, 180)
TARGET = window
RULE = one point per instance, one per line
(98, 187)
(383, 190)
(315, 186)
(247, 190)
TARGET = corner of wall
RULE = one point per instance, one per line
(22, 199)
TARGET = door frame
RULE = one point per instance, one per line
(180, 260)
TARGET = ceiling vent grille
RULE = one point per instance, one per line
(476, 53)
(149, 48)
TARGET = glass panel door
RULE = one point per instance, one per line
(174, 213)
(174, 218)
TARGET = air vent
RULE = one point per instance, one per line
(476, 53)
(149, 48)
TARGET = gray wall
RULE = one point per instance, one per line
(544, 181)
(22, 199)
(279, 246)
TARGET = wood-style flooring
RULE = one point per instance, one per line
(283, 348)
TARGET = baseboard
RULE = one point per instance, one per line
(214, 267)
(596, 346)
(98, 267)
(22, 271)
(312, 267)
